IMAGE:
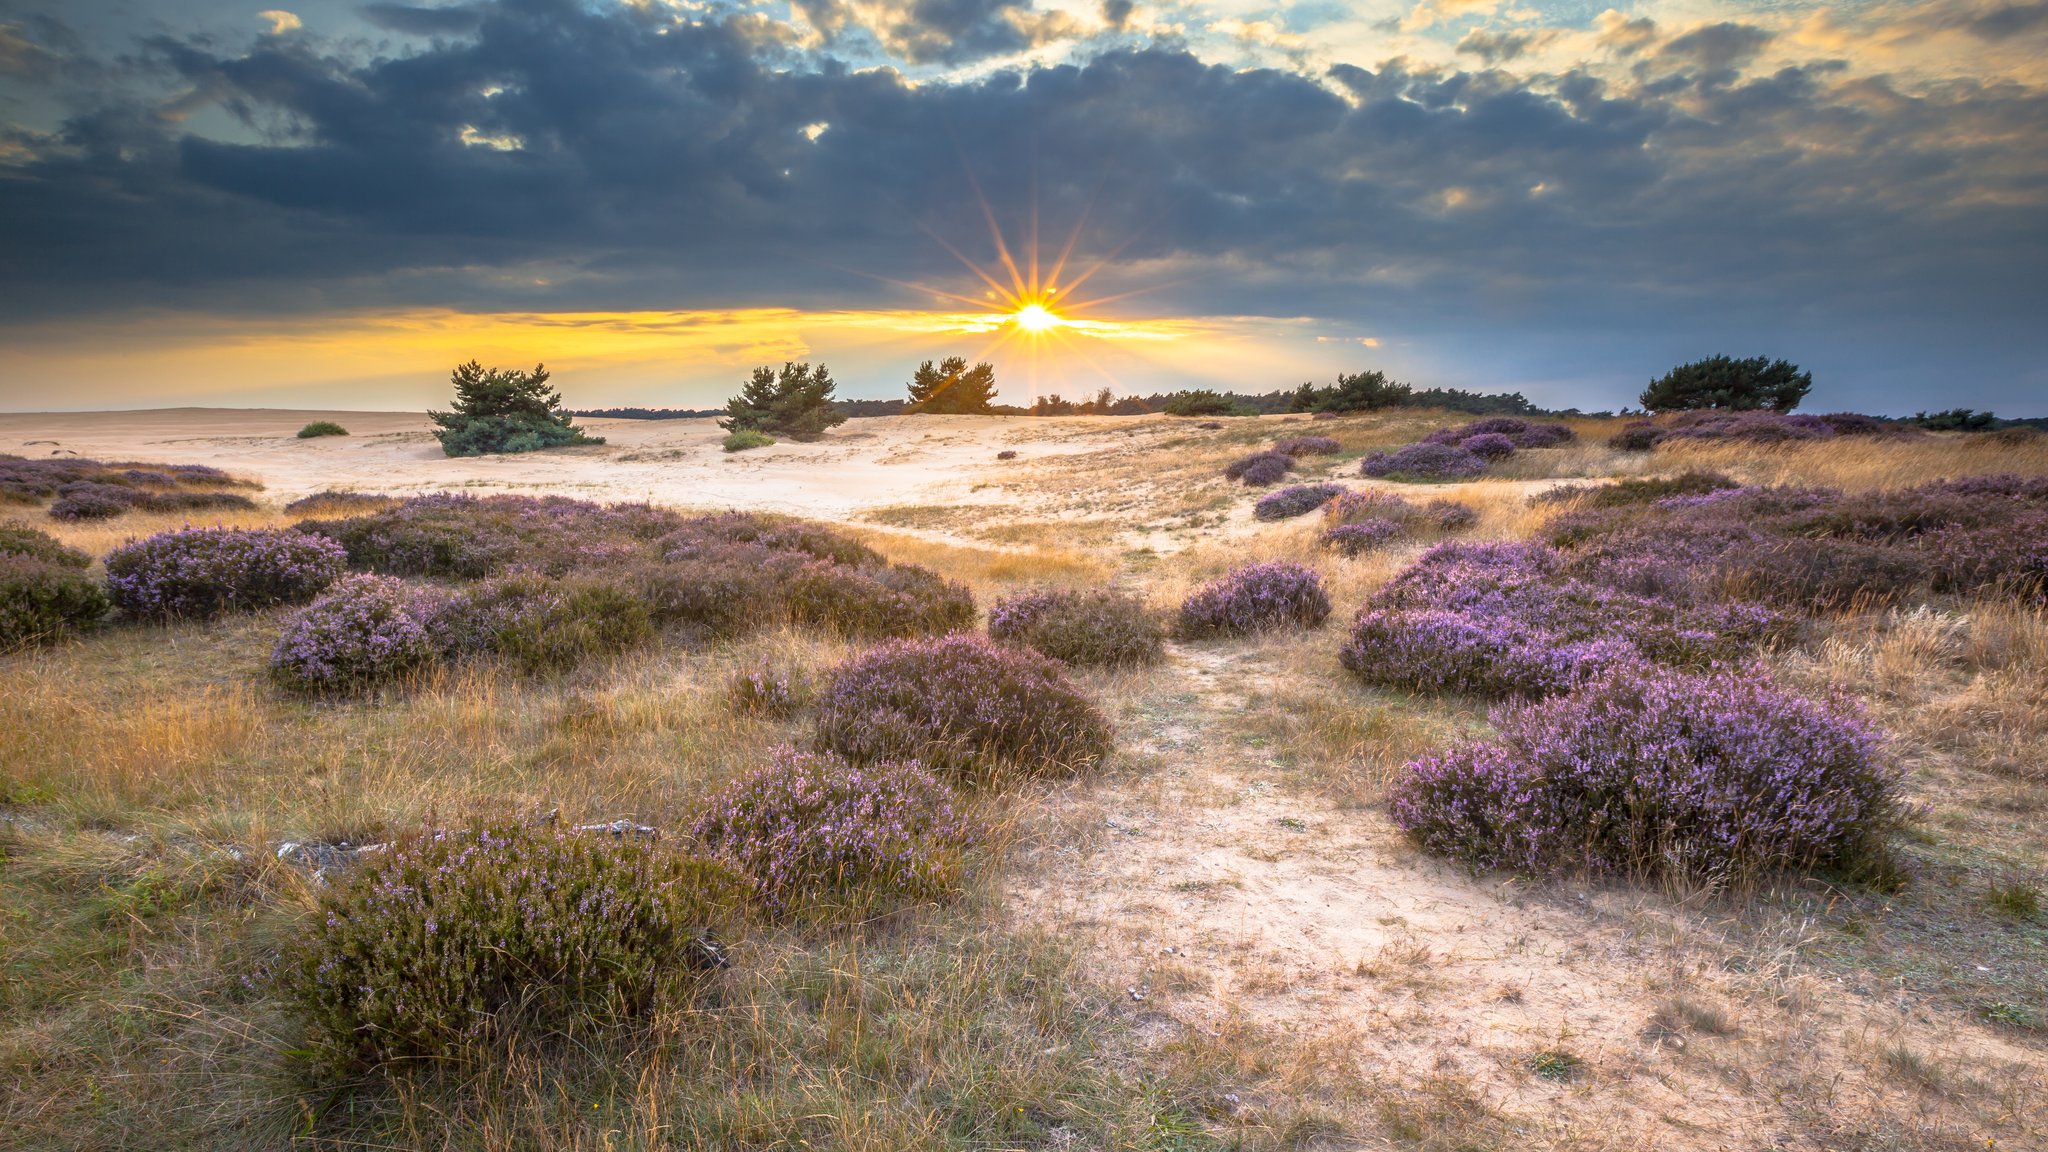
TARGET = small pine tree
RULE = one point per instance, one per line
(795, 403)
(505, 410)
(1725, 382)
(952, 388)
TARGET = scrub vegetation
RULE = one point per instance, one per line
(1589, 795)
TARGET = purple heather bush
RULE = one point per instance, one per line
(1358, 537)
(451, 937)
(544, 624)
(1517, 432)
(1295, 500)
(879, 600)
(364, 631)
(1817, 548)
(44, 599)
(1507, 619)
(1099, 626)
(1260, 468)
(25, 481)
(1488, 446)
(960, 704)
(1637, 436)
(814, 831)
(1433, 517)
(1308, 446)
(1721, 777)
(204, 572)
(1266, 597)
(340, 502)
(89, 501)
(1423, 462)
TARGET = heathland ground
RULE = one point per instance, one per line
(1216, 939)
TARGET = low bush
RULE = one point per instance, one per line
(1517, 433)
(1255, 598)
(1361, 536)
(1510, 620)
(451, 939)
(1423, 462)
(362, 632)
(90, 502)
(204, 572)
(1637, 436)
(960, 704)
(98, 500)
(1722, 777)
(1296, 500)
(321, 428)
(44, 599)
(21, 540)
(814, 832)
(1649, 490)
(1489, 446)
(1370, 504)
(340, 503)
(1007, 454)
(1094, 627)
(744, 439)
(1260, 468)
(1308, 446)
(25, 481)
(544, 624)
(878, 601)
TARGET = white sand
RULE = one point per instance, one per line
(863, 463)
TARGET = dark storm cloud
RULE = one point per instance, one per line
(568, 157)
(419, 21)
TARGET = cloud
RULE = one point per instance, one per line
(280, 21)
(628, 157)
(1503, 47)
(414, 20)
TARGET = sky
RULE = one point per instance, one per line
(329, 203)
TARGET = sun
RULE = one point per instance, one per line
(1035, 317)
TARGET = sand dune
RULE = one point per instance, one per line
(864, 463)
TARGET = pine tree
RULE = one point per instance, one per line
(505, 410)
(1725, 382)
(952, 388)
(795, 402)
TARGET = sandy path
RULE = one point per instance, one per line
(864, 463)
(1223, 896)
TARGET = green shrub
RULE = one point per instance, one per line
(42, 600)
(952, 388)
(452, 936)
(1358, 392)
(796, 402)
(1204, 402)
(505, 410)
(1725, 382)
(22, 540)
(322, 428)
(746, 438)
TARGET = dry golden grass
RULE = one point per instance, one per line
(1860, 463)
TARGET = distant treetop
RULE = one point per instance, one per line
(1725, 382)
